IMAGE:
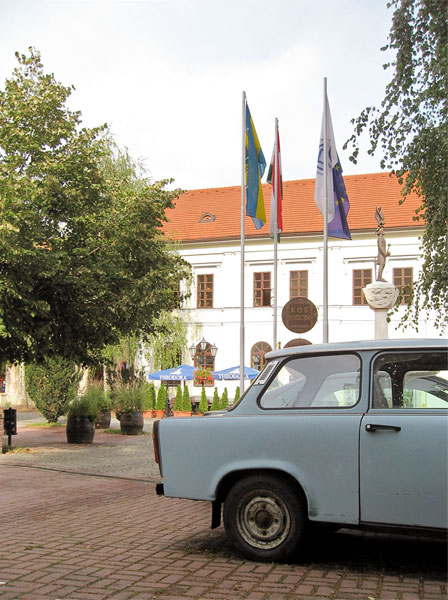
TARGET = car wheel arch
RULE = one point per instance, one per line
(234, 477)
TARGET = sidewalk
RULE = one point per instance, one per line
(107, 536)
(111, 454)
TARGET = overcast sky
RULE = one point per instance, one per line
(168, 75)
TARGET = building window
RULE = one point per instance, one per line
(361, 278)
(298, 284)
(403, 279)
(205, 291)
(262, 289)
(257, 353)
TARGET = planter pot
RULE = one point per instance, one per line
(159, 414)
(80, 429)
(131, 424)
(181, 413)
(148, 414)
(103, 420)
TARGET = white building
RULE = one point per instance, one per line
(206, 223)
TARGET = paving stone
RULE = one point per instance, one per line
(71, 536)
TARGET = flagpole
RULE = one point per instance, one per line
(243, 177)
(325, 265)
(275, 176)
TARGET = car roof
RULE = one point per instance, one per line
(405, 344)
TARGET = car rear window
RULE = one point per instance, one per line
(415, 380)
(326, 381)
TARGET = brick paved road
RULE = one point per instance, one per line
(79, 537)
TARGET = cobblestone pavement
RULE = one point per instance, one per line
(67, 535)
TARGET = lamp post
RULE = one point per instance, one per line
(199, 351)
(202, 349)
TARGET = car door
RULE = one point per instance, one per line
(403, 441)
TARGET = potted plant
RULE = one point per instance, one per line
(203, 376)
(81, 416)
(178, 403)
(160, 402)
(130, 400)
(237, 395)
(215, 402)
(95, 393)
(182, 404)
(151, 401)
(203, 403)
(224, 400)
(186, 401)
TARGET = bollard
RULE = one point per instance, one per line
(10, 423)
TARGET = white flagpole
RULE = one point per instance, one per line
(326, 199)
(275, 174)
(243, 182)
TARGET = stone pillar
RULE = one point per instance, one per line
(381, 297)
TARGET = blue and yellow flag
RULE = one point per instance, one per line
(255, 166)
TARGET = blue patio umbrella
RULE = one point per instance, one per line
(174, 374)
(234, 373)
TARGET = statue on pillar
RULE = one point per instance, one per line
(383, 252)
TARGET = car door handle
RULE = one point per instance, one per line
(372, 427)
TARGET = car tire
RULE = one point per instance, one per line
(265, 517)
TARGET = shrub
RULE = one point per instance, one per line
(203, 403)
(130, 397)
(151, 396)
(237, 394)
(161, 398)
(51, 385)
(186, 402)
(129, 391)
(215, 402)
(84, 406)
(224, 399)
(178, 402)
(95, 393)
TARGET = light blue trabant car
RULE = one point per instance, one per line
(344, 435)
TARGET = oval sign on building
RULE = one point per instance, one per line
(299, 315)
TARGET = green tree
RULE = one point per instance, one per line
(83, 261)
(178, 402)
(215, 401)
(411, 131)
(237, 395)
(169, 344)
(52, 385)
(203, 402)
(186, 406)
(151, 396)
(224, 399)
(161, 398)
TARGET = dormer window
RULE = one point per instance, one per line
(207, 218)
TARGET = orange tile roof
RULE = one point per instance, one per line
(300, 214)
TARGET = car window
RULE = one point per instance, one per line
(417, 380)
(315, 382)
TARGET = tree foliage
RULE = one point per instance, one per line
(186, 402)
(203, 402)
(83, 261)
(411, 131)
(161, 398)
(178, 402)
(215, 401)
(52, 385)
(169, 344)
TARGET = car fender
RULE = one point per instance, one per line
(262, 464)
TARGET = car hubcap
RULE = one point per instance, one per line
(263, 521)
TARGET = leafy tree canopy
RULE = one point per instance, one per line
(411, 131)
(83, 262)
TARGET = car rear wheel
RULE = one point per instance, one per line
(264, 517)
